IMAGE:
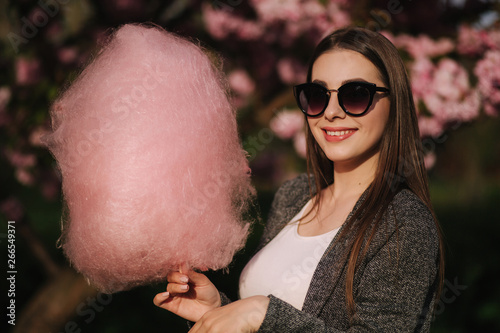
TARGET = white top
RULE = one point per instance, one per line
(285, 266)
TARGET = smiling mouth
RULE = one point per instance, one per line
(339, 133)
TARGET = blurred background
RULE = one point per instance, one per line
(452, 53)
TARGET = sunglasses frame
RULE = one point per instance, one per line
(371, 87)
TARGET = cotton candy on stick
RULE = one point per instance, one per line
(154, 175)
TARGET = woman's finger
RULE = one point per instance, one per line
(177, 277)
(197, 278)
(177, 288)
(160, 298)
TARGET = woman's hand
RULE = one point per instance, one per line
(189, 295)
(243, 316)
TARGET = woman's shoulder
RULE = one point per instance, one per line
(293, 188)
(412, 214)
(290, 197)
(407, 204)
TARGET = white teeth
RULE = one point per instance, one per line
(338, 133)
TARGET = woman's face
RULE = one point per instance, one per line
(347, 140)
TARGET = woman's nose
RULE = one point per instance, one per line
(333, 110)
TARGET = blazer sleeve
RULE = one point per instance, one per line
(394, 289)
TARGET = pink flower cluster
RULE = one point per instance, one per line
(28, 71)
(488, 73)
(23, 163)
(242, 85)
(440, 81)
(279, 22)
(445, 90)
(474, 42)
(289, 124)
(423, 45)
(223, 23)
(291, 71)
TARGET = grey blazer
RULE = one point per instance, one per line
(394, 285)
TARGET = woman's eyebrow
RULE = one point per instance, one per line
(358, 79)
(323, 83)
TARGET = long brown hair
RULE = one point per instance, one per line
(401, 155)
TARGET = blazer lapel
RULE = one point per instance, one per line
(326, 276)
(330, 269)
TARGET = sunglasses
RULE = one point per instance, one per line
(355, 98)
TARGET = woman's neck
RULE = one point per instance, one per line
(353, 178)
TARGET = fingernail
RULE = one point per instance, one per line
(184, 279)
(183, 268)
(184, 287)
(166, 294)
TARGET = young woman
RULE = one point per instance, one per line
(353, 246)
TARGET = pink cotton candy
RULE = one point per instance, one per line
(154, 174)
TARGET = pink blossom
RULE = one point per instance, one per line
(20, 160)
(217, 22)
(314, 9)
(430, 126)
(491, 110)
(249, 30)
(424, 46)
(24, 176)
(12, 209)
(442, 46)
(421, 71)
(467, 109)
(429, 160)
(488, 73)
(450, 80)
(401, 41)
(67, 55)
(222, 23)
(337, 15)
(446, 92)
(287, 123)
(28, 71)
(433, 102)
(290, 15)
(325, 20)
(470, 40)
(449, 110)
(241, 83)
(271, 11)
(298, 17)
(291, 71)
(336, 18)
(492, 40)
(299, 143)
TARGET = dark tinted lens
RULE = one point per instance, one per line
(312, 99)
(355, 97)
